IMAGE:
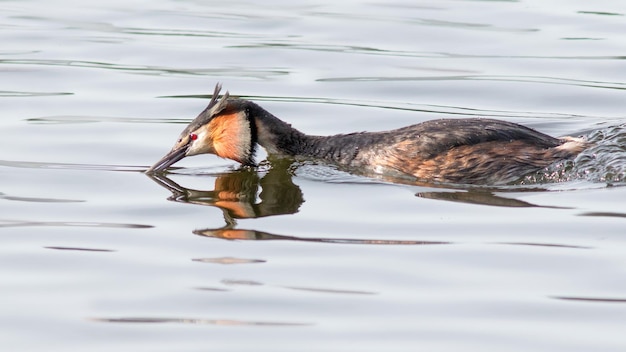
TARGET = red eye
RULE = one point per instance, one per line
(193, 136)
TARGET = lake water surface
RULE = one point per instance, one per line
(97, 256)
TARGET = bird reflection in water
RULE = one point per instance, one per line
(484, 197)
(235, 193)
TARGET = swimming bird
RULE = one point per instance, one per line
(477, 151)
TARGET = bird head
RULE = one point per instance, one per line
(223, 128)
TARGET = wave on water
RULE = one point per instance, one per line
(604, 162)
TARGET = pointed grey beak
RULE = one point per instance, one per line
(169, 159)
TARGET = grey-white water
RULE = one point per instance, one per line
(96, 255)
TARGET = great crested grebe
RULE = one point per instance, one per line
(461, 151)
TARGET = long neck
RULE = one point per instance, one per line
(278, 137)
(273, 134)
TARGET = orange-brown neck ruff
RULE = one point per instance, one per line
(232, 137)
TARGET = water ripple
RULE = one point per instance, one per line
(603, 162)
(20, 223)
(39, 200)
(601, 13)
(75, 119)
(329, 290)
(197, 321)
(231, 282)
(155, 70)
(79, 249)
(391, 105)
(603, 214)
(591, 299)
(69, 166)
(229, 260)
(421, 21)
(9, 93)
(169, 32)
(415, 54)
(523, 79)
(242, 234)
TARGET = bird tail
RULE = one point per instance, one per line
(573, 145)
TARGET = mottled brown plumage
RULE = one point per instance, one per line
(463, 151)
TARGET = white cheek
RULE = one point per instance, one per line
(193, 149)
(197, 147)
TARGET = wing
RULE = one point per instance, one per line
(467, 151)
(432, 138)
